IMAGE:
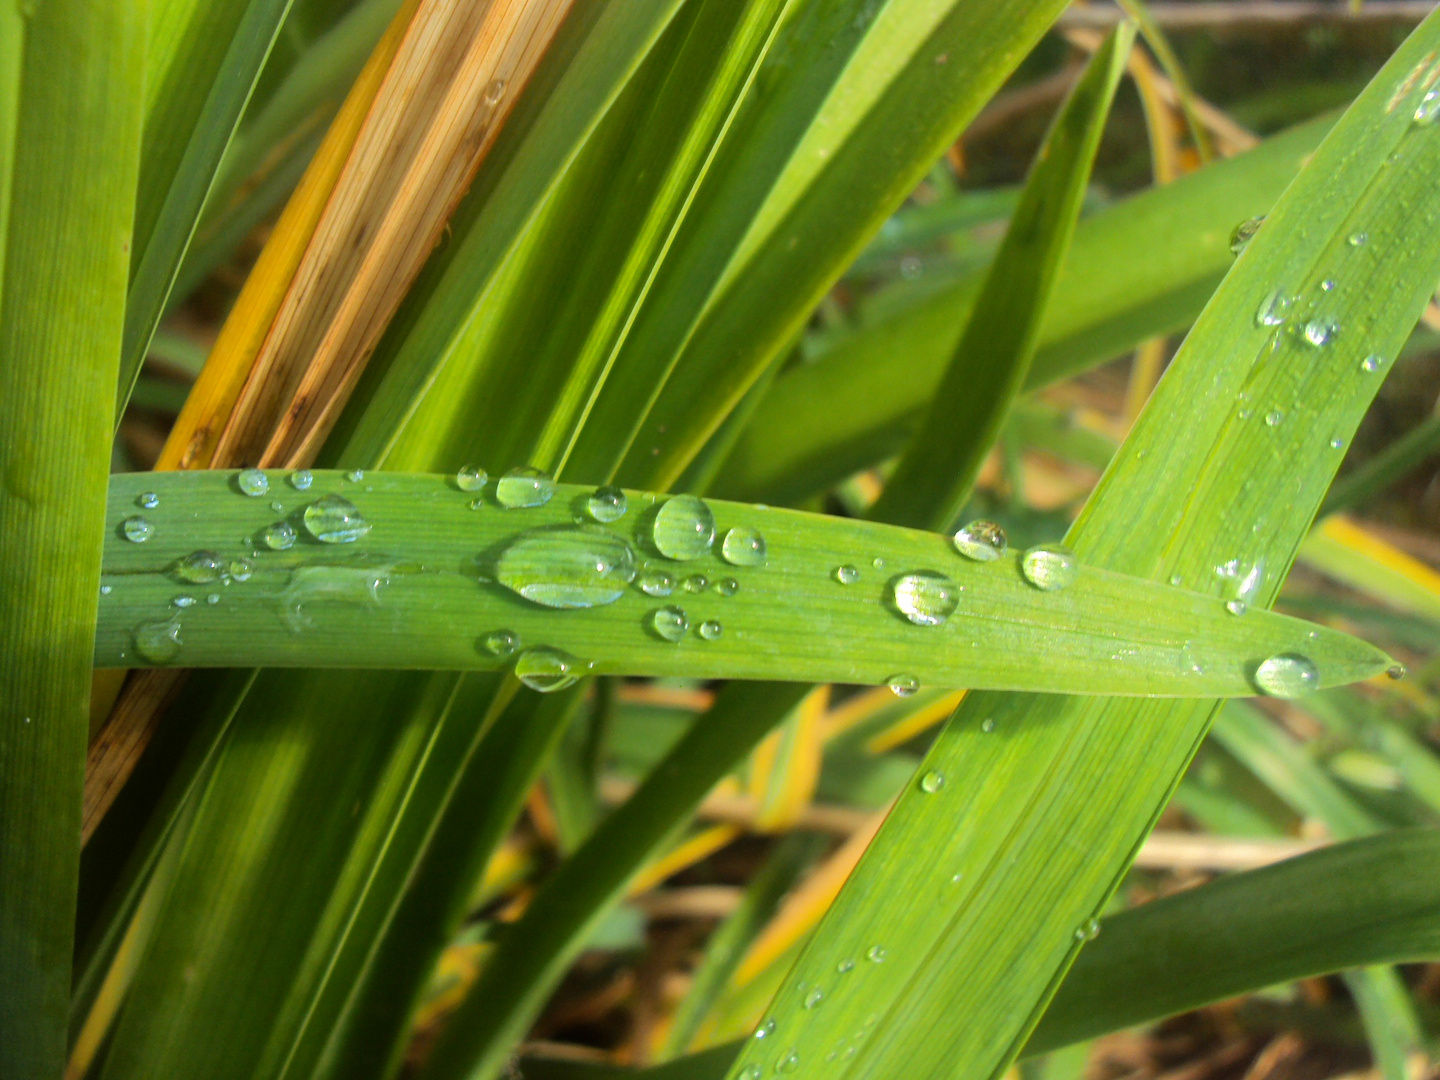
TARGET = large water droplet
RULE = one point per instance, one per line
(711, 629)
(1320, 332)
(1049, 566)
(199, 567)
(279, 536)
(1274, 309)
(983, 541)
(147, 500)
(335, 520)
(301, 479)
(932, 782)
(524, 487)
(925, 597)
(656, 583)
(847, 574)
(471, 478)
(903, 685)
(252, 482)
(158, 642)
(547, 670)
(567, 566)
(137, 529)
(684, 528)
(1244, 233)
(670, 622)
(501, 642)
(743, 547)
(607, 504)
(355, 582)
(1288, 675)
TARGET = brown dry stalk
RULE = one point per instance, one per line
(454, 81)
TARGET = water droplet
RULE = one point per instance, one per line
(477, 504)
(213, 598)
(277, 506)
(1243, 413)
(199, 567)
(1274, 309)
(878, 563)
(847, 574)
(1287, 676)
(925, 597)
(1049, 566)
(911, 268)
(607, 504)
(1244, 233)
(697, 583)
(1429, 107)
(876, 954)
(524, 487)
(743, 547)
(670, 622)
(983, 541)
(159, 642)
(727, 586)
(1327, 285)
(656, 583)
(147, 500)
(711, 629)
(684, 528)
(106, 590)
(301, 479)
(1357, 239)
(932, 782)
(751, 1072)
(546, 670)
(814, 998)
(1236, 607)
(494, 91)
(1372, 363)
(252, 482)
(765, 1030)
(355, 475)
(987, 725)
(241, 568)
(279, 536)
(1320, 332)
(845, 966)
(567, 566)
(1396, 671)
(1273, 417)
(1337, 443)
(1089, 930)
(789, 1063)
(1175, 579)
(335, 520)
(902, 685)
(136, 529)
(501, 642)
(471, 479)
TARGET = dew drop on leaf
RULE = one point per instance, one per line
(252, 482)
(1357, 239)
(501, 642)
(301, 479)
(876, 954)
(765, 1030)
(1273, 417)
(925, 597)
(1274, 309)
(656, 583)
(982, 541)
(789, 1063)
(241, 568)
(158, 642)
(607, 504)
(845, 966)
(847, 574)
(727, 586)
(684, 528)
(183, 602)
(1288, 675)
(711, 629)
(697, 583)
(567, 566)
(1236, 607)
(546, 670)
(1372, 363)
(903, 685)
(1243, 233)
(670, 622)
(278, 537)
(524, 487)
(743, 547)
(1320, 332)
(987, 725)
(147, 500)
(332, 519)
(137, 529)
(199, 567)
(814, 998)
(471, 479)
(1429, 108)
(1049, 566)
(932, 782)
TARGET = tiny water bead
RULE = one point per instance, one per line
(711, 629)
(847, 574)
(106, 590)
(241, 568)
(607, 504)
(1273, 417)
(982, 541)
(1049, 566)
(1244, 233)
(252, 482)
(727, 586)
(199, 567)
(697, 583)
(670, 622)
(159, 641)
(1236, 607)
(277, 506)
(765, 1030)
(789, 1063)
(903, 685)
(1320, 332)
(279, 536)
(501, 642)
(1274, 309)
(567, 566)
(524, 487)
(932, 781)
(1372, 363)
(925, 597)
(471, 478)
(987, 725)
(876, 954)
(1327, 285)
(1337, 443)
(1396, 672)
(332, 519)
(213, 598)
(814, 998)
(355, 475)
(656, 583)
(546, 670)
(683, 528)
(137, 529)
(183, 602)
(494, 91)
(751, 1072)
(1288, 675)
(147, 500)
(1429, 108)
(301, 479)
(1089, 930)
(743, 547)
(1357, 239)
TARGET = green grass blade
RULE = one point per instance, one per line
(1391, 1026)
(200, 76)
(934, 476)
(855, 404)
(1044, 806)
(69, 193)
(434, 575)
